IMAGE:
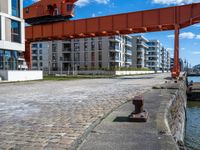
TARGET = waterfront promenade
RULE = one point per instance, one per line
(57, 114)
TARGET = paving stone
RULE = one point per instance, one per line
(53, 115)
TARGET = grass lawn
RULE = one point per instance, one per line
(76, 77)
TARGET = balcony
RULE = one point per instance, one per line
(114, 48)
(128, 52)
(129, 60)
(67, 49)
(140, 56)
(128, 43)
(142, 43)
(115, 38)
(67, 59)
(116, 58)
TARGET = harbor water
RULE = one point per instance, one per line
(192, 134)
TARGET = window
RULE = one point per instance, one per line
(34, 45)
(40, 51)
(92, 46)
(27, 10)
(40, 45)
(100, 45)
(8, 60)
(100, 56)
(15, 31)
(34, 52)
(34, 58)
(0, 27)
(69, 7)
(16, 8)
(54, 47)
(35, 64)
(40, 57)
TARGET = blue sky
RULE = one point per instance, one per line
(190, 36)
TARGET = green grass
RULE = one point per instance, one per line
(77, 77)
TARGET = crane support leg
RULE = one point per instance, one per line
(176, 67)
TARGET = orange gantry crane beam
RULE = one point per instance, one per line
(171, 18)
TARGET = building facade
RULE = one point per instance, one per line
(86, 53)
(154, 55)
(11, 34)
(140, 48)
(165, 63)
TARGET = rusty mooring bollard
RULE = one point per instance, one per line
(139, 115)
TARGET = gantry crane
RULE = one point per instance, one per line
(49, 20)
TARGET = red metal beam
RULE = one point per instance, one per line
(128, 23)
(136, 22)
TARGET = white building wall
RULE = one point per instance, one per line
(6, 13)
(81, 56)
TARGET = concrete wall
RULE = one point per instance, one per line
(102, 72)
(21, 75)
(172, 112)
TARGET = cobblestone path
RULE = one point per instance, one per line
(53, 115)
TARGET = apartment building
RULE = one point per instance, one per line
(86, 53)
(140, 48)
(11, 34)
(168, 61)
(154, 55)
(165, 59)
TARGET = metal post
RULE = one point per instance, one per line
(49, 67)
(176, 67)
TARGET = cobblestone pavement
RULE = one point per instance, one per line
(53, 115)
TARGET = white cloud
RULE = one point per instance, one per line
(170, 36)
(198, 36)
(196, 53)
(185, 35)
(196, 25)
(175, 2)
(170, 49)
(93, 15)
(82, 3)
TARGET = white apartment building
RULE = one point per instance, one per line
(153, 55)
(140, 48)
(85, 53)
(165, 59)
(11, 34)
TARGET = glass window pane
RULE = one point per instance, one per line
(16, 8)
(15, 31)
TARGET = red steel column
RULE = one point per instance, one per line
(176, 66)
(28, 54)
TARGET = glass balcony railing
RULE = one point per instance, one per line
(129, 42)
(114, 58)
(129, 60)
(143, 43)
(67, 49)
(115, 38)
(114, 48)
(129, 52)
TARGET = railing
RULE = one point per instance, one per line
(129, 52)
(114, 58)
(67, 49)
(67, 59)
(115, 38)
(129, 43)
(143, 43)
(129, 60)
(114, 48)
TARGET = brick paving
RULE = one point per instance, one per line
(53, 115)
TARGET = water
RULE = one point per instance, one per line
(194, 79)
(192, 135)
